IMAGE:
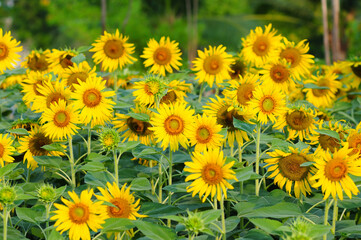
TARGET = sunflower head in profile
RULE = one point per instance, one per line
(77, 73)
(79, 214)
(261, 46)
(171, 125)
(299, 121)
(61, 60)
(135, 129)
(334, 171)
(9, 49)
(209, 173)
(162, 56)
(149, 90)
(113, 51)
(238, 68)
(354, 140)
(30, 86)
(213, 65)
(38, 60)
(6, 149)
(286, 169)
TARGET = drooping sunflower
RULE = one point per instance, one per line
(299, 121)
(287, 170)
(205, 133)
(135, 129)
(30, 86)
(113, 51)
(176, 92)
(297, 55)
(77, 73)
(59, 120)
(79, 214)
(269, 103)
(9, 50)
(210, 174)
(51, 92)
(94, 104)
(162, 56)
(261, 46)
(122, 199)
(32, 146)
(334, 170)
(149, 90)
(61, 60)
(213, 65)
(325, 96)
(6, 149)
(354, 140)
(38, 60)
(171, 125)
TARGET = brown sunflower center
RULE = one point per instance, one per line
(174, 125)
(336, 169)
(328, 143)
(245, 93)
(121, 210)
(138, 127)
(260, 46)
(92, 97)
(238, 68)
(298, 120)
(279, 73)
(267, 104)
(79, 213)
(54, 98)
(225, 117)
(61, 119)
(36, 142)
(4, 51)
(290, 167)
(2, 150)
(66, 62)
(162, 56)
(114, 49)
(204, 134)
(76, 78)
(212, 174)
(212, 64)
(170, 97)
(36, 63)
(356, 69)
(292, 55)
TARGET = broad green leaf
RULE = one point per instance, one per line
(139, 116)
(54, 147)
(140, 184)
(30, 215)
(177, 188)
(117, 225)
(158, 210)
(55, 235)
(126, 146)
(280, 210)
(78, 58)
(7, 169)
(307, 164)
(246, 173)
(13, 233)
(155, 231)
(93, 167)
(316, 231)
(247, 127)
(210, 216)
(329, 133)
(268, 225)
(82, 49)
(256, 234)
(49, 161)
(19, 131)
(314, 86)
(231, 224)
(5, 125)
(97, 157)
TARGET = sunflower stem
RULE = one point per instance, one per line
(71, 160)
(223, 218)
(89, 139)
(201, 92)
(115, 76)
(215, 202)
(160, 182)
(5, 223)
(258, 138)
(334, 217)
(116, 167)
(326, 217)
(240, 151)
(170, 183)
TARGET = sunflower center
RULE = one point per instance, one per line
(138, 127)
(162, 56)
(245, 93)
(4, 51)
(79, 213)
(290, 167)
(2, 150)
(328, 143)
(92, 97)
(279, 74)
(170, 97)
(77, 77)
(298, 120)
(237, 68)
(174, 125)
(212, 174)
(267, 104)
(355, 69)
(336, 169)
(204, 134)
(54, 98)
(66, 61)
(292, 55)
(36, 142)
(260, 46)
(114, 49)
(38, 63)
(61, 119)
(225, 117)
(122, 209)
(212, 64)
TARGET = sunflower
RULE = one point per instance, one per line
(32, 146)
(59, 120)
(6, 149)
(8, 51)
(210, 174)
(224, 112)
(124, 81)
(238, 68)
(79, 215)
(287, 170)
(77, 73)
(30, 86)
(12, 80)
(205, 133)
(176, 92)
(109, 139)
(259, 47)
(279, 74)
(23, 123)
(299, 121)
(113, 51)
(145, 162)
(295, 93)
(334, 170)
(162, 56)
(213, 65)
(135, 129)
(38, 60)
(354, 140)
(149, 90)
(124, 202)
(296, 55)
(269, 103)
(51, 92)
(93, 102)
(325, 96)
(171, 125)
(61, 60)
(352, 73)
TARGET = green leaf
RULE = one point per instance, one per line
(247, 127)
(314, 86)
(55, 235)
(54, 147)
(210, 216)
(30, 215)
(246, 173)
(93, 167)
(49, 161)
(126, 146)
(13, 233)
(97, 157)
(19, 131)
(117, 225)
(316, 231)
(231, 224)
(140, 184)
(78, 58)
(268, 225)
(280, 210)
(82, 49)
(329, 133)
(153, 209)
(307, 164)
(155, 231)
(139, 116)
(256, 234)
(7, 169)
(177, 188)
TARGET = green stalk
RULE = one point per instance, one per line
(116, 167)
(5, 222)
(170, 183)
(326, 217)
(240, 161)
(71, 160)
(201, 92)
(334, 217)
(160, 182)
(115, 76)
(258, 138)
(89, 139)
(223, 218)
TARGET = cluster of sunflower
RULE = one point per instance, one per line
(264, 87)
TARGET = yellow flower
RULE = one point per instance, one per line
(77, 73)
(352, 72)
(149, 90)
(238, 68)
(210, 174)
(162, 56)
(213, 65)
(93, 102)
(259, 47)
(30, 86)
(113, 51)
(38, 60)
(60, 60)
(79, 215)
(176, 92)
(354, 140)
(8, 51)
(334, 170)
(6, 149)
(287, 170)
(12, 80)
(171, 125)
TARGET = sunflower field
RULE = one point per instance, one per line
(260, 144)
